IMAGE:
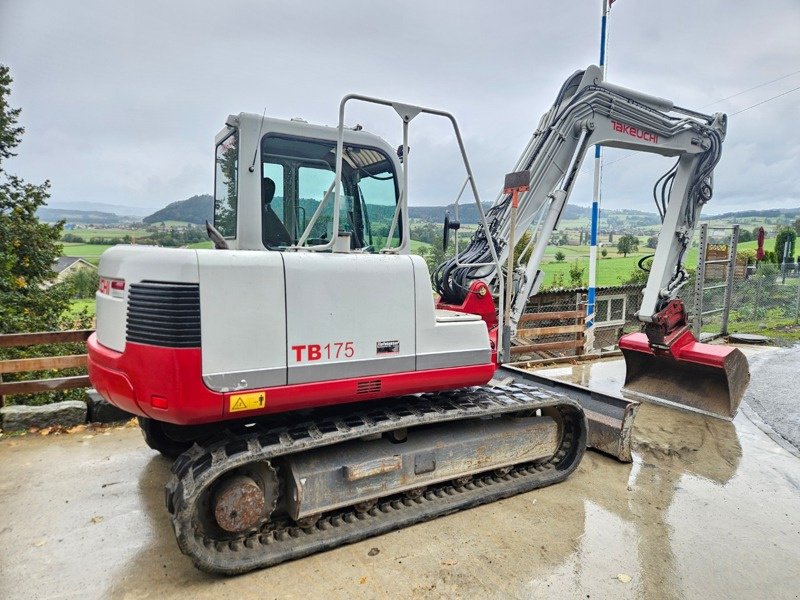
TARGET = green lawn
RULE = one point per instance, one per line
(89, 232)
(417, 245)
(171, 223)
(77, 306)
(614, 269)
(88, 252)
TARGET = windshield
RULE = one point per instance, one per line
(297, 191)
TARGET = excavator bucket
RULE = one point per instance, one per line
(706, 378)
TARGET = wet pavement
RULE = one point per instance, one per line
(708, 509)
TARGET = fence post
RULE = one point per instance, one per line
(759, 281)
(726, 306)
(699, 281)
(797, 305)
(578, 321)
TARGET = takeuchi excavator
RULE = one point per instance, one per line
(312, 389)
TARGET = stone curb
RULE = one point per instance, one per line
(69, 413)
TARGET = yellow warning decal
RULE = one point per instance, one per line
(251, 401)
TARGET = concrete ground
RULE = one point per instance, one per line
(708, 509)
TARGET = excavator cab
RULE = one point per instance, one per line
(293, 204)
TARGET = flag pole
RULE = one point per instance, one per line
(598, 158)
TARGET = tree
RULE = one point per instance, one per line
(576, 274)
(745, 235)
(785, 235)
(610, 237)
(652, 241)
(434, 254)
(28, 248)
(604, 252)
(797, 226)
(627, 243)
(560, 256)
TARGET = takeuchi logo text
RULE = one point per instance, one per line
(647, 136)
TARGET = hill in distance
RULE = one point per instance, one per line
(105, 207)
(82, 217)
(199, 208)
(196, 209)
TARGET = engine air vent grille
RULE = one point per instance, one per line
(370, 386)
(164, 314)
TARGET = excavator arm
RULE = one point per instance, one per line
(589, 111)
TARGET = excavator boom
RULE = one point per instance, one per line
(587, 112)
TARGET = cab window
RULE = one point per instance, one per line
(225, 185)
(297, 193)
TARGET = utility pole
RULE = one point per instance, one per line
(598, 158)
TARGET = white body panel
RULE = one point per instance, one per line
(362, 299)
(242, 319)
(446, 338)
(262, 312)
(134, 264)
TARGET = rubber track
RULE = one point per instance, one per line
(195, 470)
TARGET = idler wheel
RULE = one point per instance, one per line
(238, 504)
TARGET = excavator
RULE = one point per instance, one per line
(312, 389)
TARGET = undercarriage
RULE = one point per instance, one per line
(263, 495)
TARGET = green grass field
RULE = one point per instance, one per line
(87, 233)
(88, 252)
(171, 223)
(614, 269)
(78, 306)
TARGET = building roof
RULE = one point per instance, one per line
(64, 262)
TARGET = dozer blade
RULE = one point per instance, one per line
(610, 417)
(706, 378)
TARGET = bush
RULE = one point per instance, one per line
(785, 235)
(83, 282)
(560, 256)
(603, 252)
(576, 274)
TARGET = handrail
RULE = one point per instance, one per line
(43, 363)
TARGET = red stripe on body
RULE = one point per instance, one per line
(167, 384)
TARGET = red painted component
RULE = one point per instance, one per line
(165, 384)
(169, 385)
(479, 302)
(684, 348)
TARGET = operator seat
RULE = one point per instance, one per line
(273, 231)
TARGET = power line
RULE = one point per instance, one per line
(755, 87)
(770, 99)
(767, 100)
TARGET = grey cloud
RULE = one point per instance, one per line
(121, 100)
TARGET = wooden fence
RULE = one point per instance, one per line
(573, 324)
(42, 363)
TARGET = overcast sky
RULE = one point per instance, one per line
(121, 101)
